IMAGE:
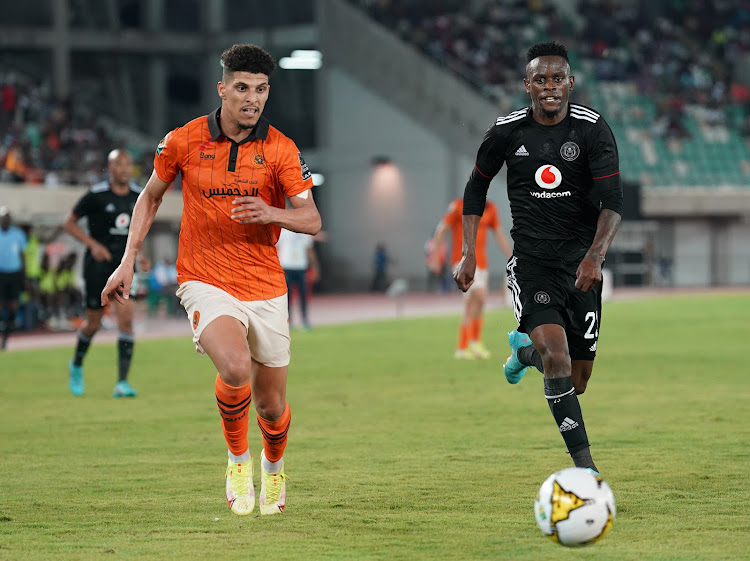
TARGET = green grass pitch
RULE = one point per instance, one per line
(396, 450)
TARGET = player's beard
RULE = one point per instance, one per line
(551, 114)
(245, 126)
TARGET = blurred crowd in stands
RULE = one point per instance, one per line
(51, 142)
(679, 52)
(52, 298)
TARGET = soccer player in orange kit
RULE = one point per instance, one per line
(237, 172)
(470, 344)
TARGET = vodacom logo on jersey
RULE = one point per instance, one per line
(122, 220)
(121, 225)
(548, 177)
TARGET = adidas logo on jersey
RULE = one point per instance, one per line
(110, 208)
(522, 151)
(592, 348)
(568, 424)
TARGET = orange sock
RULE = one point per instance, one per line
(464, 332)
(274, 434)
(233, 405)
(476, 329)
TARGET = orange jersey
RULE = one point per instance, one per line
(454, 218)
(238, 258)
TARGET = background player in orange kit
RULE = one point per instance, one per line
(470, 343)
(237, 171)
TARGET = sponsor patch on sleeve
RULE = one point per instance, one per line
(305, 170)
(162, 145)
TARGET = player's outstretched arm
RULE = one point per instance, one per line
(436, 246)
(590, 268)
(118, 285)
(464, 272)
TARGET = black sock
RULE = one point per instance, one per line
(125, 354)
(563, 402)
(582, 458)
(82, 347)
(531, 357)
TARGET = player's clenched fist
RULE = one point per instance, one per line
(463, 274)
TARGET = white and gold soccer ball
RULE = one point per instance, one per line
(574, 507)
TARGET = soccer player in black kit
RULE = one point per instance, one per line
(566, 202)
(108, 207)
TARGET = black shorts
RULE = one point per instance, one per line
(95, 277)
(11, 286)
(94, 283)
(543, 295)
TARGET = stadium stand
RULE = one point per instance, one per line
(663, 72)
(51, 142)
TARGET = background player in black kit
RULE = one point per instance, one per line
(566, 200)
(108, 207)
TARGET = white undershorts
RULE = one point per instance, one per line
(266, 321)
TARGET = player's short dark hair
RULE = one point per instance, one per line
(246, 58)
(549, 48)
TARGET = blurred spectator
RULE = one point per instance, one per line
(669, 122)
(55, 251)
(745, 127)
(49, 297)
(380, 265)
(7, 99)
(297, 256)
(14, 168)
(33, 260)
(12, 273)
(162, 285)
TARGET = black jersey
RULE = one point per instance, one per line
(108, 216)
(551, 172)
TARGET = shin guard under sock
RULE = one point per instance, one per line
(274, 434)
(563, 402)
(233, 403)
(82, 347)
(125, 344)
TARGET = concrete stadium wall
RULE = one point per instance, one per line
(359, 127)
(738, 254)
